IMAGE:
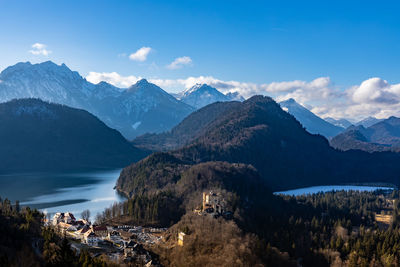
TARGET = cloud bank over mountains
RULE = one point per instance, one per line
(372, 97)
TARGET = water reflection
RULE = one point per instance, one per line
(62, 192)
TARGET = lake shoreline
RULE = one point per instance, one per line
(329, 188)
(63, 191)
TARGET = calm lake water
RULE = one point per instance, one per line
(329, 188)
(63, 192)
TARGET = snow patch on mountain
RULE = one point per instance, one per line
(201, 95)
(343, 123)
(136, 124)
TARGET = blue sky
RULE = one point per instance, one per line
(257, 42)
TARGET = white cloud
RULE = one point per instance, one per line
(39, 49)
(112, 78)
(141, 54)
(375, 90)
(179, 62)
(372, 97)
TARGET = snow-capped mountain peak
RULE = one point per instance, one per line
(119, 108)
(194, 88)
(201, 95)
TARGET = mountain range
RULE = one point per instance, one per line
(381, 136)
(258, 132)
(143, 107)
(40, 136)
(367, 122)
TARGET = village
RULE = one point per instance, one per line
(121, 244)
(127, 243)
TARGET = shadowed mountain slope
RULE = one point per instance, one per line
(39, 136)
(260, 133)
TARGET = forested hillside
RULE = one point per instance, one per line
(381, 136)
(40, 136)
(192, 127)
(258, 132)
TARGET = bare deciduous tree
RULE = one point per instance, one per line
(85, 215)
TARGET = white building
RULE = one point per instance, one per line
(91, 238)
(57, 218)
(114, 236)
(67, 217)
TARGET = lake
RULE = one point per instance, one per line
(329, 188)
(63, 192)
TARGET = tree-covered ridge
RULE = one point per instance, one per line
(243, 154)
(25, 241)
(258, 132)
(325, 229)
(192, 127)
(181, 191)
(152, 174)
(381, 136)
(40, 136)
(331, 229)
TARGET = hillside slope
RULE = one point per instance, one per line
(39, 136)
(260, 133)
(381, 136)
(309, 120)
(192, 127)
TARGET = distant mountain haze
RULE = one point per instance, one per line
(142, 108)
(381, 136)
(343, 123)
(367, 122)
(39, 136)
(309, 120)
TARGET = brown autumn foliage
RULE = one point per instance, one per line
(217, 242)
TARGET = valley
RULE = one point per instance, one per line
(199, 133)
(251, 174)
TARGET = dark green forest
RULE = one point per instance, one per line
(258, 132)
(326, 229)
(40, 136)
(26, 241)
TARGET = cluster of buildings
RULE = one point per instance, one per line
(79, 229)
(127, 242)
